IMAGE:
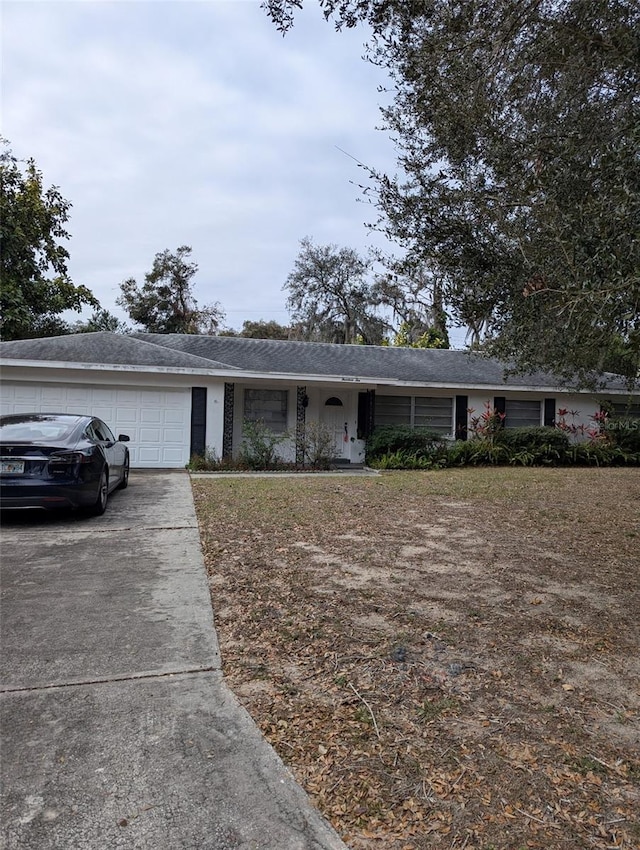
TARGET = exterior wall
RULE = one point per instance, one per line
(215, 416)
(353, 450)
(584, 405)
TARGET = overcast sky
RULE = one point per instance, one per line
(194, 123)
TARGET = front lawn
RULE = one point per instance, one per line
(444, 659)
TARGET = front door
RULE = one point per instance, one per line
(334, 416)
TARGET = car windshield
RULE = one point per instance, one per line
(36, 429)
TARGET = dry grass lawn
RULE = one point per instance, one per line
(444, 659)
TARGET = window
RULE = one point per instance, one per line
(416, 411)
(630, 410)
(522, 413)
(268, 406)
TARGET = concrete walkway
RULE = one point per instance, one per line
(117, 728)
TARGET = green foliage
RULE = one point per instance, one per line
(519, 453)
(518, 185)
(624, 431)
(427, 338)
(534, 439)
(36, 287)
(101, 320)
(260, 330)
(330, 298)
(165, 303)
(259, 445)
(419, 442)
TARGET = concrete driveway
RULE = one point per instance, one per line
(117, 728)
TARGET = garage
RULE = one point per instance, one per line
(157, 420)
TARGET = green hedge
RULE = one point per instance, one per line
(395, 447)
(389, 439)
(532, 439)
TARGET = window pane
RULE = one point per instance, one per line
(435, 413)
(522, 414)
(623, 408)
(393, 410)
(269, 406)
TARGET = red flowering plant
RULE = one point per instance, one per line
(596, 432)
(489, 423)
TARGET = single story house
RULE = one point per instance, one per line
(176, 394)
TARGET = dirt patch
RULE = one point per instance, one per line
(444, 659)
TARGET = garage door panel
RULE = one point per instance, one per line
(172, 435)
(157, 421)
(174, 417)
(126, 416)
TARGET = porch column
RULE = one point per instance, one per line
(227, 426)
(301, 406)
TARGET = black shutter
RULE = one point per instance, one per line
(462, 404)
(366, 402)
(198, 420)
(500, 406)
(549, 412)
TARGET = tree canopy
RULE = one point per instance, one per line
(330, 298)
(35, 284)
(165, 302)
(518, 132)
(260, 329)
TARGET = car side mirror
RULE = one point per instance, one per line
(123, 438)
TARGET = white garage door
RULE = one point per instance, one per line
(158, 421)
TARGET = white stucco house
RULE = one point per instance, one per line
(175, 394)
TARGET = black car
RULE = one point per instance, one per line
(60, 460)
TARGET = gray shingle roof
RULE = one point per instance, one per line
(276, 357)
(424, 366)
(101, 347)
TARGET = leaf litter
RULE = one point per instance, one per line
(446, 659)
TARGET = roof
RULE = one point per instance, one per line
(101, 347)
(268, 357)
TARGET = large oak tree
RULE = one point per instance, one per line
(518, 131)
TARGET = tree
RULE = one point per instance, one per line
(416, 300)
(330, 298)
(165, 303)
(100, 320)
(36, 287)
(518, 130)
(260, 330)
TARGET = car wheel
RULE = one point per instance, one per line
(100, 504)
(124, 483)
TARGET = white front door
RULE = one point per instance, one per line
(334, 416)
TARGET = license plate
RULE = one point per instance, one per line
(11, 467)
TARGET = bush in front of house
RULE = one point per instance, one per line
(513, 447)
(534, 438)
(406, 441)
(624, 432)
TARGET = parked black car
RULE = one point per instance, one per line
(60, 460)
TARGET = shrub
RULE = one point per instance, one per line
(624, 432)
(532, 439)
(317, 444)
(409, 460)
(420, 442)
(210, 462)
(259, 444)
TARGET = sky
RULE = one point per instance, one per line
(194, 122)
